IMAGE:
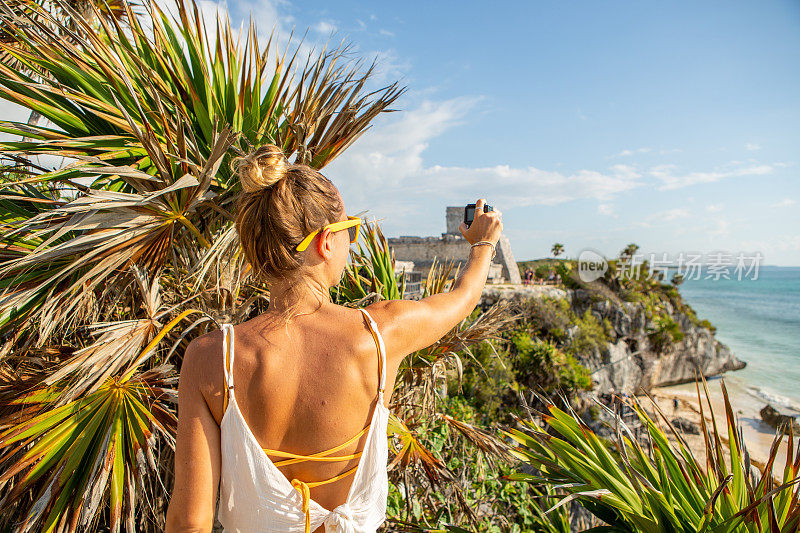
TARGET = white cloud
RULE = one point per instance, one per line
(719, 228)
(607, 209)
(786, 202)
(386, 172)
(644, 150)
(790, 243)
(673, 180)
(628, 153)
(386, 33)
(520, 187)
(664, 218)
(670, 215)
(752, 147)
(325, 27)
(714, 208)
(625, 171)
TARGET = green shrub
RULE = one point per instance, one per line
(664, 332)
(590, 336)
(541, 365)
(550, 317)
(608, 329)
(542, 272)
(708, 325)
(568, 278)
(630, 295)
(487, 382)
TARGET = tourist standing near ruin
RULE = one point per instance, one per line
(263, 404)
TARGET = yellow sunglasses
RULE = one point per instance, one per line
(351, 224)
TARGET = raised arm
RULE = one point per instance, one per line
(410, 325)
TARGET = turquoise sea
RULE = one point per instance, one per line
(759, 319)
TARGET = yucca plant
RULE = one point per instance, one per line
(111, 9)
(662, 487)
(154, 122)
(370, 273)
(111, 263)
(70, 469)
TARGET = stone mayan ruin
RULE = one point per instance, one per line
(416, 254)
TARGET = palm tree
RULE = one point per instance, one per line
(653, 484)
(66, 11)
(557, 249)
(110, 265)
(629, 251)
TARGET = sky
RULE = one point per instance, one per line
(672, 125)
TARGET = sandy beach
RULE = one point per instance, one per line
(758, 435)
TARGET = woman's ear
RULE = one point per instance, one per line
(325, 243)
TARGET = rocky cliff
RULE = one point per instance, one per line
(634, 353)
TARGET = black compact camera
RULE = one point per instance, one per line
(469, 212)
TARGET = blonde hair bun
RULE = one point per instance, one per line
(261, 168)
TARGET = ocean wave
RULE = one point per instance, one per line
(776, 400)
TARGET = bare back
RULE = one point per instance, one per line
(303, 391)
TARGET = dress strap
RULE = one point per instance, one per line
(227, 362)
(319, 456)
(381, 349)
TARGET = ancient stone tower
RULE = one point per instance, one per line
(452, 246)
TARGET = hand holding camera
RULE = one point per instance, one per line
(484, 225)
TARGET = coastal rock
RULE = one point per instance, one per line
(686, 426)
(631, 361)
(634, 362)
(493, 293)
(618, 370)
(777, 420)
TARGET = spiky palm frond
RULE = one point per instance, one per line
(370, 273)
(111, 9)
(480, 438)
(86, 452)
(118, 93)
(142, 112)
(661, 488)
(67, 251)
(440, 277)
(412, 451)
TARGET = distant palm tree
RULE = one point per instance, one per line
(629, 251)
(557, 249)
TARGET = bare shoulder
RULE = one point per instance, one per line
(203, 353)
(409, 325)
(387, 312)
(202, 366)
